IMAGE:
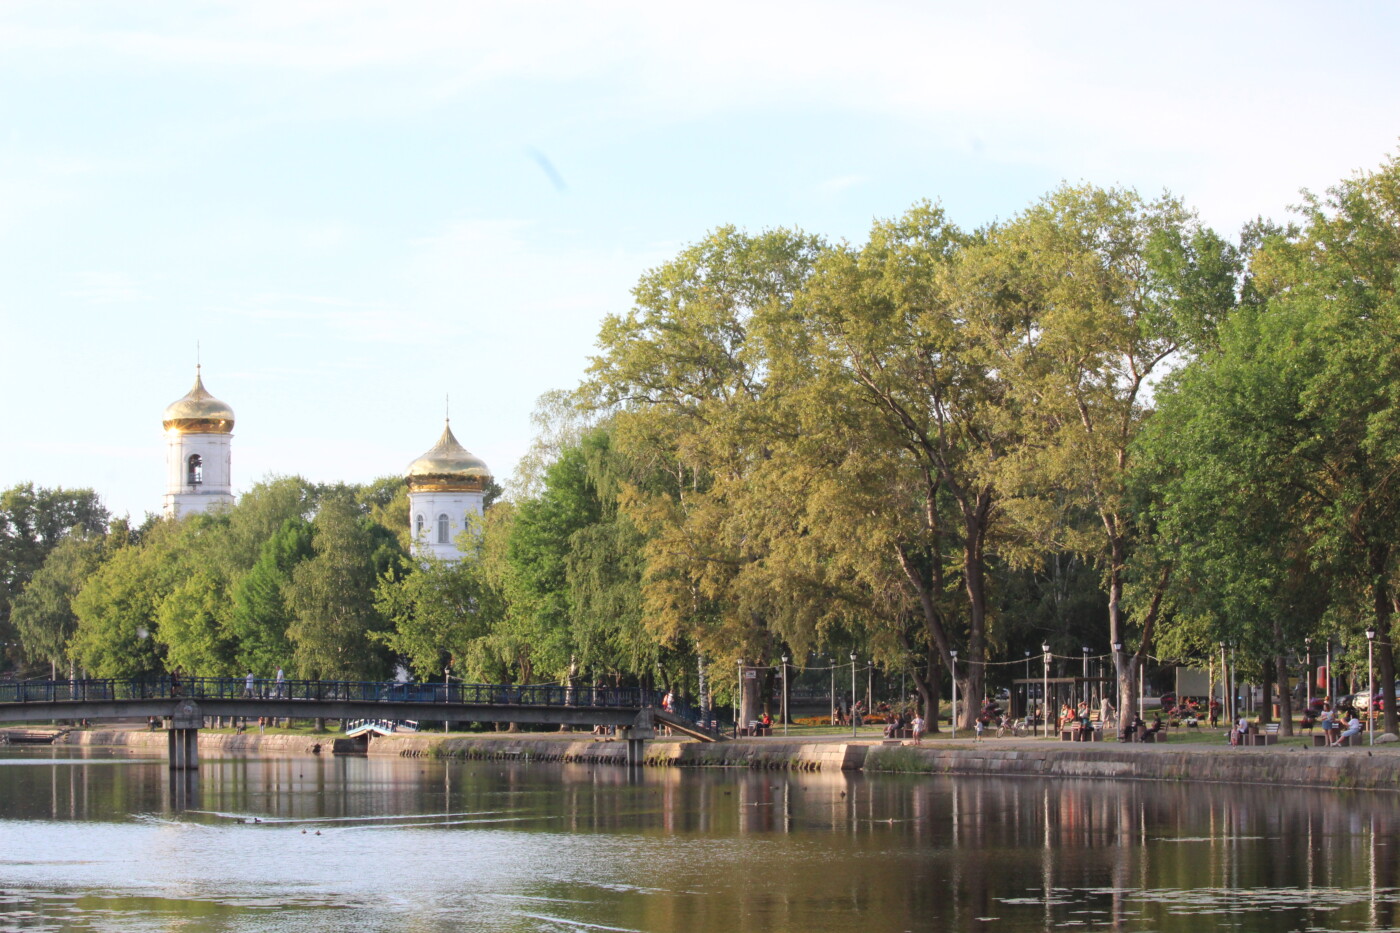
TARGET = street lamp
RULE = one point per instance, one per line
(738, 696)
(1371, 677)
(954, 719)
(1045, 687)
(785, 695)
(1307, 647)
(1086, 674)
(1118, 670)
(832, 661)
(853, 694)
(1227, 701)
(1026, 688)
(869, 686)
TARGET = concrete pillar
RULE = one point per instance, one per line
(182, 740)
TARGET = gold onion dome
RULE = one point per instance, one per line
(448, 466)
(199, 412)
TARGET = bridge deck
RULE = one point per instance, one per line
(37, 701)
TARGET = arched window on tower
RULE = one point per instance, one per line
(442, 528)
(196, 470)
(418, 526)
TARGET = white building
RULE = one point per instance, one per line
(446, 494)
(198, 461)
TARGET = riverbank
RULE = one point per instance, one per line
(1359, 768)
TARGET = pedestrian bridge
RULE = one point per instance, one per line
(187, 702)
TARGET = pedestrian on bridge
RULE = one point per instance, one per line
(281, 684)
(248, 685)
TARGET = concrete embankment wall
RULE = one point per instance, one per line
(210, 744)
(767, 755)
(1358, 768)
(1290, 766)
(1352, 768)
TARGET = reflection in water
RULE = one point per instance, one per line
(324, 843)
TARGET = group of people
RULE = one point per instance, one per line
(1338, 725)
(250, 684)
(897, 721)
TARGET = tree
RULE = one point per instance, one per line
(43, 612)
(32, 523)
(898, 428)
(260, 616)
(683, 376)
(1293, 421)
(118, 608)
(331, 595)
(442, 613)
(1079, 303)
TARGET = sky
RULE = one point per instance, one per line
(352, 211)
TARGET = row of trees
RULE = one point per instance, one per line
(1098, 422)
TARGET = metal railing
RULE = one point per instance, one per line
(239, 688)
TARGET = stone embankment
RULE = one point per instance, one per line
(1359, 768)
(210, 743)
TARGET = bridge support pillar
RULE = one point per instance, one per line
(643, 728)
(182, 739)
(183, 745)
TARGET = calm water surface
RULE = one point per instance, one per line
(290, 844)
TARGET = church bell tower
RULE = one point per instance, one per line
(198, 462)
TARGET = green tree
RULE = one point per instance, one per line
(1290, 430)
(442, 613)
(1079, 303)
(43, 612)
(118, 609)
(684, 376)
(331, 595)
(33, 520)
(260, 616)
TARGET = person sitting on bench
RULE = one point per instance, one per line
(1353, 728)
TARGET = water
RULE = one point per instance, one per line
(302, 843)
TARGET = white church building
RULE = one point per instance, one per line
(446, 486)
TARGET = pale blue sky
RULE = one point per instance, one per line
(350, 205)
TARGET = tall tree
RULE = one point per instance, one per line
(1079, 303)
(259, 616)
(33, 520)
(43, 612)
(331, 595)
(684, 376)
(1296, 414)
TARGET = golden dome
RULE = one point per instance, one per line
(199, 412)
(448, 467)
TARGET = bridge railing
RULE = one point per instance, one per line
(241, 688)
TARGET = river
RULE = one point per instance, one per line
(105, 841)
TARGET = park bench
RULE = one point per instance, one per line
(1324, 739)
(1268, 737)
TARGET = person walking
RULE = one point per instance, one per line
(917, 725)
(248, 683)
(281, 684)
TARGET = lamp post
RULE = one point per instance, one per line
(832, 659)
(869, 686)
(738, 695)
(1085, 687)
(1026, 688)
(1118, 666)
(954, 718)
(1045, 687)
(1227, 703)
(1307, 647)
(1371, 679)
(704, 694)
(785, 695)
(853, 694)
